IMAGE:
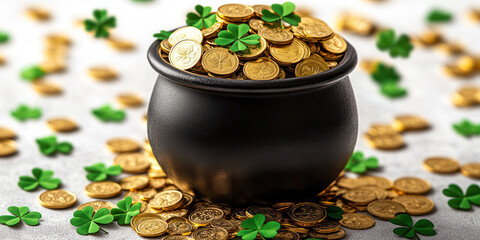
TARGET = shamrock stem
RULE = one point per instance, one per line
(104, 231)
(281, 23)
(416, 236)
(262, 236)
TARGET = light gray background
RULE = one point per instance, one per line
(429, 92)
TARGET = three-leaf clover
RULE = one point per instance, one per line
(40, 177)
(49, 145)
(162, 35)
(283, 12)
(125, 211)
(24, 112)
(202, 19)
(409, 230)
(439, 16)
(32, 73)
(466, 128)
(334, 212)
(460, 200)
(99, 172)
(401, 46)
(100, 24)
(234, 35)
(88, 222)
(20, 213)
(358, 163)
(4, 37)
(107, 113)
(254, 226)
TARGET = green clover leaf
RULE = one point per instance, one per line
(40, 177)
(460, 200)
(107, 113)
(24, 112)
(20, 213)
(101, 23)
(254, 226)
(235, 36)
(392, 90)
(439, 16)
(125, 211)
(99, 172)
(202, 19)
(384, 73)
(385, 39)
(334, 212)
(4, 37)
(49, 145)
(32, 73)
(401, 46)
(283, 12)
(358, 164)
(162, 35)
(409, 230)
(466, 128)
(88, 222)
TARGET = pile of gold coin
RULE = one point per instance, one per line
(466, 96)
(356, 24)
(8, 146)
(434, 39)
(446, 165)
(296, 51)
(464, 66)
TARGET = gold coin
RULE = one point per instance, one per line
(6, 133)
(256, 24)
(235, 12)
(327, 227)
(379, 192)
(331, 64)
(416, 204)
(269, 213)
(404, 123)
(57, 39)
(369, 65)
(288, 53)
(129, 100)
(357, 221)
(152, 227)
(7, 147)
(412, 185)
(56, 52)
(135, 195)
(122, 145)
(224, 223)
(307, 214)
(147, 194)
(185, 54)
(470, 170)
(96, 205)
(335, 45)
(261, 69)
(52, 65)
(466, 96)
(258, 9)
(179, 226)
(204, 216)
(143, 217)
(210, 233)
(276, 35)
(62, 124)
(385, 142)
(175, 213)
(2, 59)
(120, 44)
(134, 182)
(220, 61)
(105, 189)
(316, 28)
(375, 181)
(133, 162)
(38, 14)
(176, 237)
(360, 196)
(213, 30)
(442, 165)
(57, 199)
(286, 235)
(306, 49)
(336, 235)
(166, 199)
(254, 51)
(165, 46)
(385, 209)
(184, 33)
(102, 73)
(310, 66)
(46, 88)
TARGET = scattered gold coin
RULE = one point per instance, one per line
(474, 15)
(57, 40)
(466, 96)
(356, 24)
(307, 214)
(416, 204)
(442, 165)
(210, 233)
(133, 162)
(403, 123)
(327, 227)
(38, 14)
(102, 73)
(360, 196)
(385, 142)
(57, 199)
(166, 200)
(96, 205)
(204, 216)
(471, 170)
(53, 65)
(122, 145)
(105, 189)
(385, 209)
(357, 221)
(148, 225)
(134, 182)
(412, 185)
(120, 44)
(62, 124)
(46, 88)
(6, 133)
(179, 226)
(129, 100)
(7, 147)
(336, 235)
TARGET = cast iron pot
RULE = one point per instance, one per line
(243, 141)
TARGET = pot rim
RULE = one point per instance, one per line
(296, 84)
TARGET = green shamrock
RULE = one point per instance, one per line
(439, 16)
(99, 172)
(466, 128)
(101, 24)
(234, 35)
(392, 90)
(24, 112)
(254, 226)
(32, 73)
(20, 213)
(422, 227)
(162, 35)
(460, 200)
(88, 222)
(40, 177)
(106, 113)
(400, 46)
(49, 145)
(125, 211)
(335, 212)
(358, 163)
(282, 13)
(4, 37)
(384, 73)
(204, 18)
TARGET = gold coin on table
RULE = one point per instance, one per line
(184, 33)
(310, 66)
(176, 237)
(375, 181)
(288, 54)
(120, 44)
(269, 213)
(379, 192)
(134, 182)
(210, 233)
(96, 205)
(336, 235)
(212, 31)
(327, 227)
(105, 189)
(144, 217)
(357, 221)
(57, 39)
(335, 45)
(256, 24)
(259, 8)
(135, 195)
(2, 59)
(442, 165)
(102, 73)
(404, 123)
(254, 51)
(224, 223)
(316, 28)
(276, 35)
(466, 96)
(62, 124)
(307, 214)
(129, 100)
(385, 142)
(52, 65)
(55, 52)
(7, 147)
(382, 129)
(286, 235)
(204, 216)
(57, 199)
(6, 133)
(261, 69)
(46, 88)
(360, 196)
(385, 209)
(471, 170)
(179, 226)
(38, 14)
(412, 185)
(185, 54)
(416, 204)
(122, 145)
(220, 61)
(369, 65)
(151, 228)
(235, 12)
(133, 162)
(167, 199)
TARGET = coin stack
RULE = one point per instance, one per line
(295, 51)
(8, 146)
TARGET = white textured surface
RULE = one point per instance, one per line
(429, 92)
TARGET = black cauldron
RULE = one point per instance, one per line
(243, 141)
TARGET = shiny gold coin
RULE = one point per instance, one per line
(286, 235)
(256, 24)
(379, 192)
(133, 162)
(6, 133)
(38, 14)
(143, 217)
(235, 12)
(276, 35)
(213, 30)
(360, 196)
(254, 51)
(224, 223)
(261, 69)
(166, 199)
(57, 39)
(147, 194)
(220, 61)
(382, 129)
(316, 28)
(306, 49)
(307, 214)
(288, 53)
(331, 64)
(151, 228)
(56, 52)
(122, 145)
(412, 185)
(204, 216)
(466, 96)
(2, 59)
(102, 73)
(454, 70)
(46, 88)
(129, 100)
(451, 48)
(175, 213)
(310, 66)
(327, 227)
(442, 165)
(416, 205)
(336, 235)
(385, 142)
(179, 226)
(57, 199)
(185, 54)
(7, 147)
(184, 33)
(258, 9)
(369, 65)
(134, 182)
(53, 65)
(120, 44)
(336, 45)
(269, 213)
(471, 170)
(357, 221)
(176, 237)
(385, 209)
(96, 205)
(210, 233)
(404, 123)
(165, 46)
(105, 189)
(62, 124)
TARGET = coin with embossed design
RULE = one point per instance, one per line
(191, 33)
(166, 199)
(220, 61)
(269, 213)
(442, 165)
(416, 204)
(335, 45)
(288, 54)
(357, 221)
(234, 12)
(307, 214)
(133, 162)
(261, 69)
(412, 185)
(310, 66)
(134, 182)
(105, 189)
(96, 205)
(286, 235)
(276, 35)
(152, 227)
(185, 54)
(57, 199)
(360, 196)
(224, 223)
(385, 209)
(210, 233)
(254, 51)
(204, 216)
(122, 145)
(179, 226)
(213, 30)
(327, 227)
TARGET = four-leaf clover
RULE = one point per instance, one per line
(49, 145)
(162, 35)
(234, 35)
(400, 46)
(106, 113)
(254, 226)
(98, 171)
(460, 200)
(100, 24)
(24, 112)
(466, 128)
(358, 163)
(20, 213)
(439, 16)
(125, 211)
(283, 12)
(88, 222)
(203, 19)
(409, 230)
(40, 177)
